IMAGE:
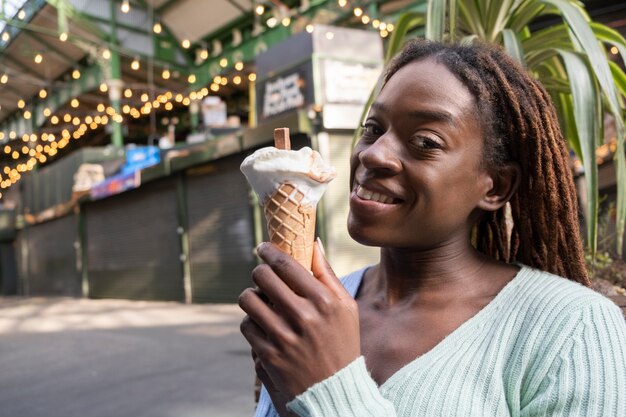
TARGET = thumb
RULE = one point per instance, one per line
(324, 273)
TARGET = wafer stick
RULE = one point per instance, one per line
(281, 138)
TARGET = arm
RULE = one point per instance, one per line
(304, 331)
(588, 377)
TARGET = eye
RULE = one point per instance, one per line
(371, 129)
(427, 143)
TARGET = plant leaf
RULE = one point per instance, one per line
(524, 14)
(513, 46)
(620, 222)
(435, 20)
(581, 29)
(497, 15)
(584, 95)
(469, 16)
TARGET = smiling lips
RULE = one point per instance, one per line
(369, 195)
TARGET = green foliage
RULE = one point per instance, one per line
(570, 59)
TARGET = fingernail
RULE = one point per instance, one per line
(321, 245)
(258, 248)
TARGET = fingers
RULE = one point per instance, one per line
(276, 292)
(290, 271)
(263, 320)
(324, 273)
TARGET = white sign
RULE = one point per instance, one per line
(282, 94)
(348, 82)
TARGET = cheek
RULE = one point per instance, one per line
(354, 164)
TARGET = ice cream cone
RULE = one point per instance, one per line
(291, 223)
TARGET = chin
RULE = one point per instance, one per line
(366, 235)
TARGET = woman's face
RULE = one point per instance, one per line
(417, 172)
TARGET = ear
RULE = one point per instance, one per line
(504, 182)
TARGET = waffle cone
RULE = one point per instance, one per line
(291, 224)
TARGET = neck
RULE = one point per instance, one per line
(445, 272)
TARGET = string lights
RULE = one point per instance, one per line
(125, 7)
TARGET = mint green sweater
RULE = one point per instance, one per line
(544, 346)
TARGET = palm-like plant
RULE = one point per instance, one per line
(569, 58)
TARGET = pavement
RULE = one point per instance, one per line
(64, 357)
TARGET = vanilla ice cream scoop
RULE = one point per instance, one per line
(268, 168)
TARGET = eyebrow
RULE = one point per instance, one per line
(430, 115)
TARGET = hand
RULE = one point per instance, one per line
(306, 330)
(279, 399)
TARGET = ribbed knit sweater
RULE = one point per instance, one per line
(544, 346)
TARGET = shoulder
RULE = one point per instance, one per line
(557, 296)
(553, 312)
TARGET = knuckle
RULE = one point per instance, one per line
(325, 304)
(288, 339)
(307, 318)
(266, 355)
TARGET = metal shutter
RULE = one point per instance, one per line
(49, 258)
(344, 254)
(133, 249)
(8, 271)
(221, 237)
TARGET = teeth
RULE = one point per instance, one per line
(366, 194)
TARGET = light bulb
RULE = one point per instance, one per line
(165, 74)
(135, 64)
(76, 74)
(186, 43)
(260, 9)
(38, 59)
(63, 36)
(156, 28)
(125, 7)
(106, 54)
(43, 93)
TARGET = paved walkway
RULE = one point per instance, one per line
(62, 357)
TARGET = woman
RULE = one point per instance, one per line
(458, 317)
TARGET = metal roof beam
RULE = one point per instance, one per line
(119, 25)
(21, 66)
(63, 56)
(90, 79)
(167, 34)
(163, 8)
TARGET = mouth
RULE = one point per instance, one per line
(369, 195)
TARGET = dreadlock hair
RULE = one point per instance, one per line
(519, 124)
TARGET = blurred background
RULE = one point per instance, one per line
(122, 127)
(123, 124)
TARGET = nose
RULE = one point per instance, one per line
(382, 155)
